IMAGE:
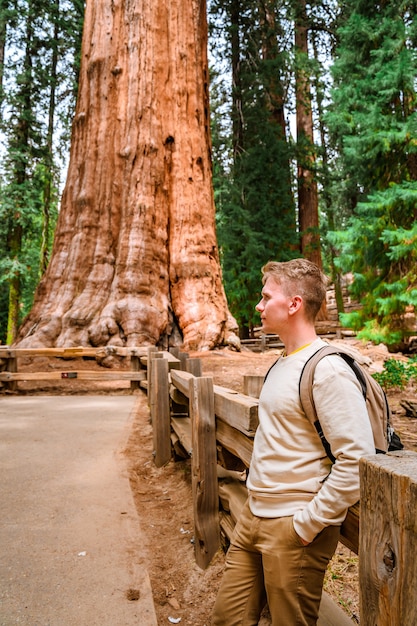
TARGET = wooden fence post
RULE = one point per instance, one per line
(183, 356)
(153, 353)
(194, 366)
(204, 470)
(11, 366)
(135, 367)
(252, 385)
(160, 412)
(388, 539)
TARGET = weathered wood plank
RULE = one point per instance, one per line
(51, 352)
(11, 367)
(236, 409)
(234, 441)
(152, 355)
(349, 532)
(173, 361)
(182, 428)
(252, 385)
(73, 352)
(71, 375)
(177, 397)
(175, 351)
(160, 412)
(162, 354)
(135, 367)
(388, 539)
(228, 460)
(204, 470)
(194, 366)
(177, 447)
(181, 380)
(183, 356)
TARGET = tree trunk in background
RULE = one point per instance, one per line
(3, 30)
(308, 201)
(271, 32)
(49, 158)
(270, 52)
(237, 112)
(21, 149)
(135, 256)
(336, 276)
(307, 185)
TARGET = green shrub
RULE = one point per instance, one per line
(396, 374)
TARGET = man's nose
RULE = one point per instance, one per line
(259, 306)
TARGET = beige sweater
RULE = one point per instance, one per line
(290, 473)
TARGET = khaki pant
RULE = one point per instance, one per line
(266, 556)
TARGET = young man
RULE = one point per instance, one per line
(289, 527)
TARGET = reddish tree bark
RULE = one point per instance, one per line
(307, 184)
(135, 258)
(308, 201)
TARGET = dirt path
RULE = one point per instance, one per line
(164, 504)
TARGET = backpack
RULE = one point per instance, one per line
(385, 438)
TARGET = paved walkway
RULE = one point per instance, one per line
(69, 532)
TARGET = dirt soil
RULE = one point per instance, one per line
(183, 593)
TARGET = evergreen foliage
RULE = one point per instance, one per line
(363, 157)
(373, 124)
(256, 211)
(39, 77)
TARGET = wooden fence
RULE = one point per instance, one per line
(215, 426)
(10, 374)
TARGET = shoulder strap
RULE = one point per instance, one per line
(305, 386)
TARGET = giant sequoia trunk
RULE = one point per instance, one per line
(135, 257)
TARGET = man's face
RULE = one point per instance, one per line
(274, 307)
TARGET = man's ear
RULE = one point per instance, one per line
(295, 304)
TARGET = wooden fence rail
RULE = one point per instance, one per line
(10, 376)
(216, 426)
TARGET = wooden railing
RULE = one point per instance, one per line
(10, 375)
(216, 426)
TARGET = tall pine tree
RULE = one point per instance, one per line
(256, 215)
(39, 75)
(373, 123)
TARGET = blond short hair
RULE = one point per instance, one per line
(299, 277)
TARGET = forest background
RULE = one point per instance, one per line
(314, 148)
